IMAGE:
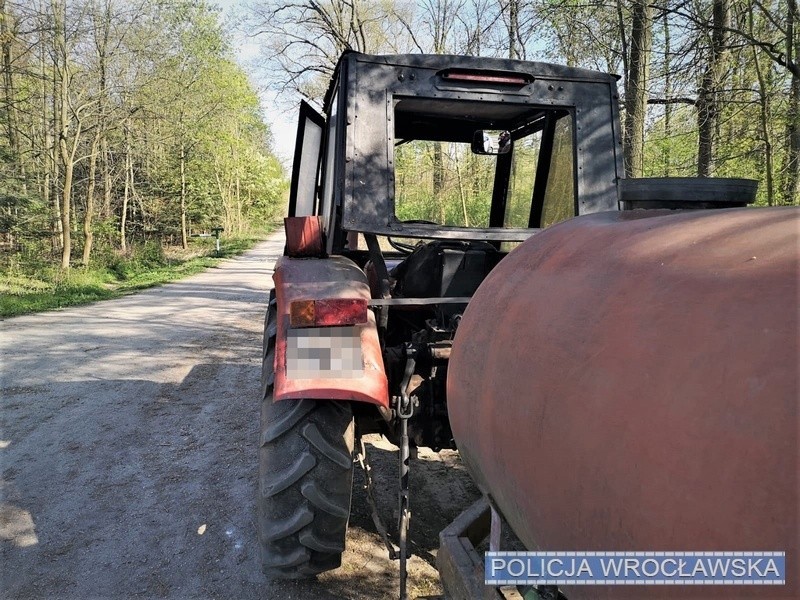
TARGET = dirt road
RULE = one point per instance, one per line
(128, 453)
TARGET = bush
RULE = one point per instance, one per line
(39, 284)
(137, 260)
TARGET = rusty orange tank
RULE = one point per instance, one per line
(629, 381)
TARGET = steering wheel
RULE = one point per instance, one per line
(407, 248)
(402, 248)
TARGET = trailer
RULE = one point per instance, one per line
(654, 402)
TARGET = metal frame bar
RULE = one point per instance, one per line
(542, 171)
(460, 565)
(418, 301)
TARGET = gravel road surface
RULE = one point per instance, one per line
(128, 453)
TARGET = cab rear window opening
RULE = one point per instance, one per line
(439, 180)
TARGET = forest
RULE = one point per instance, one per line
(707, 88)
(129, 127)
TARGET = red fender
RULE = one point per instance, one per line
(325, 279)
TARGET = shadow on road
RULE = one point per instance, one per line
(125, 488)
(128, 454)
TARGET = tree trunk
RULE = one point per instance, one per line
(58, 229)
(765, 117)
(636, 87)
(239, 217)
(66, 192)
(708, 95)
(227, 218)
(791, 168)
(47, 153)
(101, 43)
(52, 147)
(62, 68)
(126, 193)
(88, 236)
(513, 29)
(438, 169)
(7, 36)
(106, 168)
(665, 156)
(68, 156)
(184, 232)
(462, 193)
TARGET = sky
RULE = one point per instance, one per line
(282, 123)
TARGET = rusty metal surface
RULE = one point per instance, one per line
(687, 192)
(304, 236)
(460, 565)
(630, 382)
(325, 279)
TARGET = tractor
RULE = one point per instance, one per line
(375, 279)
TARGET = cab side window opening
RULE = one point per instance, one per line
(305, 167)
(523, 177)
(330, 163)
(559, 198)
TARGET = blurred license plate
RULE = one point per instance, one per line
(315, 352)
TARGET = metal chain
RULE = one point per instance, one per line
(405, 512)
(363, 461)
(405, 409)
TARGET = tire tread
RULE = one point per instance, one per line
(305, 477)
(312, 433)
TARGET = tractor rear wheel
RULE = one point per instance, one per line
(305, 477)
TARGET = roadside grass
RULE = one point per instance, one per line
(146, 266)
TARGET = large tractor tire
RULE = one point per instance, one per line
(305, 477)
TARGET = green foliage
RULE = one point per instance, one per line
(523, 175)
(165, 96)
(751, 129)
(26, 290)
(141, 259)
(461, 194)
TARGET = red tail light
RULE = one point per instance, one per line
(481, 76)
(327, 313)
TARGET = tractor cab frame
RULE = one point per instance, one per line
(345, 162)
